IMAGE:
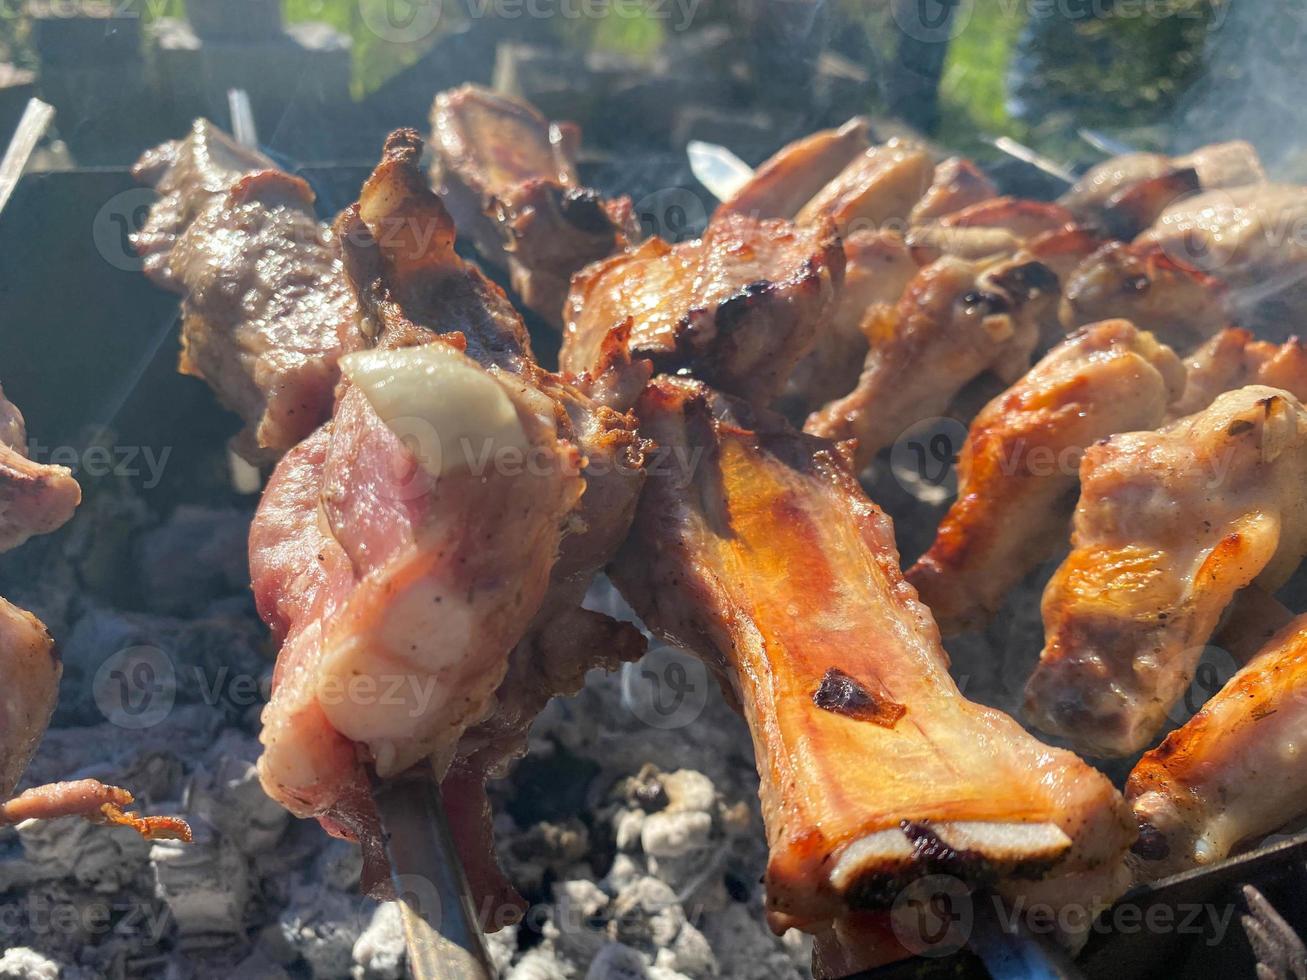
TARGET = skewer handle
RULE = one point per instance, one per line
(444, 939)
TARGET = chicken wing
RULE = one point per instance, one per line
(1230, 774)
(738, 307)
(957, 183)
(1018, 469)
(754, 546)
(1234, 358)
(1170, 525)
(509, 178)
(791, 177)
(955, 321)
(876, 191)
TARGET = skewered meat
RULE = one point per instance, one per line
(877, 268)
(31, 671)
(1251, 237)
(764, 555)
(738, 307)
(415, 539)
(509, 178)
(266, 312)
(1217, 165)
(190, 174)
(795, 174)
(876, 191)
(1017, 472)
(1230, 774)
(958, 183)
(1170, 525)
(35, 498)
(1151, 288)
(1234, 358)
(955, 321)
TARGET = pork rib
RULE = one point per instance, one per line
(754, 546)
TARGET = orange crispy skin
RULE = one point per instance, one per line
(1017, 472)
(766, 557)
(1170, 525)
(1231, 773)
(93, 800)
(958, 183)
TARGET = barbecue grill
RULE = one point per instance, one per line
(90, 354)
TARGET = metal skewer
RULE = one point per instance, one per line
(440, 927)
(36, 119)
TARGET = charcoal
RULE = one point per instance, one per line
(379, 953)
(197, 554)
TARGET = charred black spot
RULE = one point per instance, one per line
(1151, 844)
(985, 303)
(1028, 280)
(583, 209)
(937, 856)
(844, 695)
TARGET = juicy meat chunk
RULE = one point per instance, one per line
(1151, 288)
(1229, 775)
(876, 191)
(785, 182)
(1170, 525)
(1234, 358)
(738, 307)
(35, 498)
(878, 265)
(266, 312)
(1018, 469)
(189, 174)
(766, 558)
(955, 321)
(957, 184)
(1217, 165)
(509, 178)
(30, 670)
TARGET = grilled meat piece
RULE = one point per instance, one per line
(190, 174)
(1230, 164)
(417, 539)
(1247, 236)
(35, 498)
(510, 180)
(1234, 358)
(790, 178)
(1170, 525)
(957, 184)
(266, 312)
(1176, 301)
(874, 192)
(30, 670)
(1229, 775)
(765, 557)
(1018, 469)
(878, 265)
(955, 321)
(738, 307)
(94, 801)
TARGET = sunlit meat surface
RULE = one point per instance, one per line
(1235, 358)
(1018, 470)
(790, 178)
(1218, 165)
(1231, 774)
(1153, 289)
(875, 192)
(266, 312)
(35, 498)
(1170, 525)
(414, 541)
(739, 307)
(957, 183)
(955, 321)
(759, 551)
(509, 177)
